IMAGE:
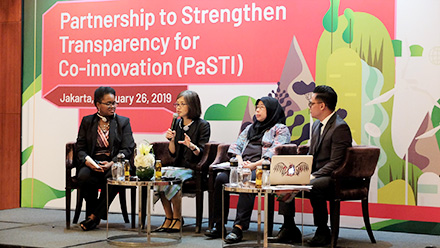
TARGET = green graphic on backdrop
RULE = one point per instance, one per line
(347, 36)
(372, 44)
(26, 154)
(435, 118)
(234, 111)
(33, 88)
(431, 228)
(42, 193)
(298, 130)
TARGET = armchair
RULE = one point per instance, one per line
(352, 182)
(72, 183)
(198, 184)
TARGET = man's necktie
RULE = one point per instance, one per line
(318, 136)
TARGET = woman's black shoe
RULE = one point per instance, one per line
(89, 224)
(161, 228)
(173, 229)
(214, 233)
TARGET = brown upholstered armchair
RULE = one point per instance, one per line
(72, 183)
(198, 184)
(352, 182)
(222, 156)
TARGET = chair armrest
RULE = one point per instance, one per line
(303, 149)
(70, 150)
(162, 153)
(286, 149)
(222, 154)
(70, 162)
(208, 156)
(360, 162)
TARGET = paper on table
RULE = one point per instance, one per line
(224, 165)
(88, 158)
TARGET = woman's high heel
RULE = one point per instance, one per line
(163, 229)
(89, 224)
(173, 229)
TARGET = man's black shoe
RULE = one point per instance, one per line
(235, 236)
(288, 236)
(322, 238)
(214, 233)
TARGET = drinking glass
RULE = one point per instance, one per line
(245, 177)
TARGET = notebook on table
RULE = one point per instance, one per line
(290, 169)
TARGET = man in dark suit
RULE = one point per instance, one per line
(331, 137)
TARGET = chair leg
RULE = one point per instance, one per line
(335, 208)
(79, 200)
(366, 215)
(123, 202)
(270, 211)
(68, 201)
(199, 210)
(133, 206)
(211, 182)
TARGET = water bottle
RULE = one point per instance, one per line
(233, 176)
(118, 168)
(265, 181)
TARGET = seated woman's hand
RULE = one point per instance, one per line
(186, 141)
(91, 166)
(170, 134)
(105, 165)
(250, 165)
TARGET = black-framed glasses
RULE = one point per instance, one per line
(179, 104)
(313, 103)
(110, 104)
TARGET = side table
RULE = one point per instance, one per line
(140, 239)
(259, 191)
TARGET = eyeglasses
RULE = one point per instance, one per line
(260, 107)
(179, 104)
(110, 104)
(313, 103)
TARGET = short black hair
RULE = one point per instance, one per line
(193, 102)
(101, 92)
(327, 95)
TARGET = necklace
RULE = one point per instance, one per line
(186, 127)
(104, 127)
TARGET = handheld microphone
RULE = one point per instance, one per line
(175, 115)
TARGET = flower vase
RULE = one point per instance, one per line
(145, 173)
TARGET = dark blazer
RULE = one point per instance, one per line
(120, 137)
(199, 132)
(329, 151)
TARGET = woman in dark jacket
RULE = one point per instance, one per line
(102, 136)
(187, 142)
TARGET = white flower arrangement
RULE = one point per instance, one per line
(144, 161)
(144, 156)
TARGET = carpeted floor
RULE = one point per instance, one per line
(26, 227)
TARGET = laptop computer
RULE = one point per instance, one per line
(290, 169)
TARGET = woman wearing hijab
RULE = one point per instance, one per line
(256, 141)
